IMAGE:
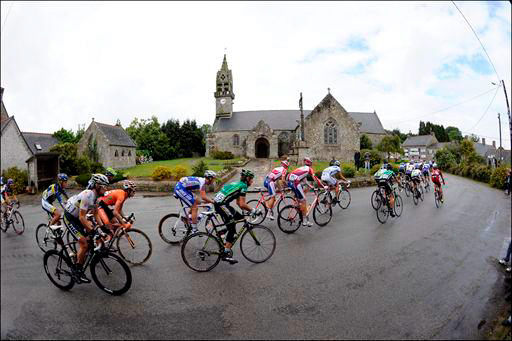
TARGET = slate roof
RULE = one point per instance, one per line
(287, 120)
(483, 149)
(420, 140)
(116, 135)
(46, 141)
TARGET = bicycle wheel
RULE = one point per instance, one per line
(172, 229)
(436, 199)
(322, 213)
(422, 195)
(376, 199)
(134, 246)
(285, 201)
(382, 213)
(344, 198)
(59, 269)
(289, 219)
(71, 240)
(18, 224)
(44, 238)
(259, 218)
(258, 244)
(408, 190)
(110, 273)
(399, 205)
(201, 251)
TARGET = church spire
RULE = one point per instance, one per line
(224, 64)
(224, 94)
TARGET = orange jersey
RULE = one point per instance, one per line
(111, 197)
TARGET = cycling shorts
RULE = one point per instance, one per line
(47, 207)
(182, 193)
(75, 225)
(425, 173)
(437, 181)
(297, 189)
(270, 186)
(329, 180)
(385, 184)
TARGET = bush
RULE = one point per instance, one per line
(222, 155)
(498, 177)
(19, 176)
(199, 168)
(83, 165)
(482, 173)
(161, 173)
(375, 169)
(348, 171)
(179, 171)
(97, 167)
(83, 179)
(68, 157)
(445, 158)
(119, 177)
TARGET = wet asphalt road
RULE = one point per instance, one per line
(427, 274)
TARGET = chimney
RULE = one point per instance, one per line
(483, 140)
(494, 144)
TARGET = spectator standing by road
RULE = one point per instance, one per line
(508, 182)
(506, 261)
(357, 158)
(367, 161)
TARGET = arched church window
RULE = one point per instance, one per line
(331, 132)
(122, 152)
(129, 153)
(236, 140)
(116, 154)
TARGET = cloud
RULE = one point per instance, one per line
(63, 63)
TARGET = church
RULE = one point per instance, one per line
(328, 130)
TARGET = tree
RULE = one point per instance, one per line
(453, 133)
(397, 132)
(64, 135)
(421, 130)
(365, 142)
(148, 136)
(390, 144)
(68, 157)
(472, 137)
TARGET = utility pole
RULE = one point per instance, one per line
(301, 119)
(508, 112)
(499, 122)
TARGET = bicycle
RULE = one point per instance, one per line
(377, 197)
(259, 204)
(11, 216)
(202, 251)
(46, 233)
(384, 208)
(343, 199)
(133, 245)
(61, 270)
(438, 196)
(290, 217)
(173, 228)
(417, 193)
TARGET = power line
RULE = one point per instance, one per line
(6, 16)
(476, 35)
(451, 106)
(486, 109)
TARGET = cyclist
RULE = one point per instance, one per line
(385, 178)
(416, 179)
(53, 192)
(408, 170)
(295, 183)
(401, 172)
(110, 173)
(229, 192)
(7, 192)
(436, 176)
(115, 198)
(329, 179)
(426, 172)
(185, 188)
(278, 173)
(75, 214)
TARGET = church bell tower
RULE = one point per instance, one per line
(224, 95)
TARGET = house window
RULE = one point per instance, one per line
(116, 154)
(122, 152)
(129, 153)
(331, 132)
(38, 146)
(236, 140)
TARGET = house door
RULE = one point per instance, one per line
(262, 148)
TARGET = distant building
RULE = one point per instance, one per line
(420, 147)
(488, 152)
(108, 144)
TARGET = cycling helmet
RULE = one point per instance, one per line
(10, 182)
(307, 161)
(110, 172)
(285, 164)
(1, 180)
(99, 179)
(62, 177)
(209, 174)
(247, 173)
(129, 185)
(434, 166)
(337, 163)
(389, 167)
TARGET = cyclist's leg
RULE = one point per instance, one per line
(271, 188)
(52, 210)
(76, 228)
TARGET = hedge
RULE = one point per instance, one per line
(19, 176)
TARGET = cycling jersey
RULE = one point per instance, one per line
(384, 174)
(436, 176)
(230, 192)
(54, 192)
(417, 165)
(415, 175)
(329, 173)
(409, 169)
(184, 188)
(111, 197)
(301, 173)
(193, 183)
(85, 200)
(276, 173)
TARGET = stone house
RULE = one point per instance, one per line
(329, 130)
(488, 152)
(108, 144)
(420, 147)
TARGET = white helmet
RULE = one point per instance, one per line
(210, 174)
(99, 179)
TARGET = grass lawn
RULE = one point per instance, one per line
(145, 170)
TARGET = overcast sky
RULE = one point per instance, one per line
(64, 63)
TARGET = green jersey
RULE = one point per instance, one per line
(230, 192)
(384, 174)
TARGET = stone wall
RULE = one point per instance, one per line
(375, 138)
(224, 141)
(347, 131)
(13, 149)
(125, 157)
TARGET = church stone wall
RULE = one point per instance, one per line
(224, 141)
(347, 131)
(375, 138)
